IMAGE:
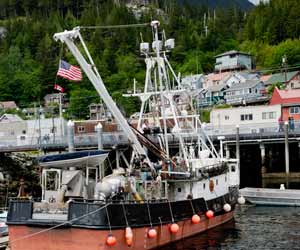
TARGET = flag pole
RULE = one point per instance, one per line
(61, 115)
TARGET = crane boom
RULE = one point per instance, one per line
(90, 70)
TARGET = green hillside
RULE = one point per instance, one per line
(29, 56)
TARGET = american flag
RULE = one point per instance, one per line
(59, 88)
(68, 71)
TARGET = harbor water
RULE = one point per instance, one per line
(254, 227)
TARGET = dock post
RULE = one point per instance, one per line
(71, 147)
(263, 157)
(99, 129)
(298, 146)
(287, 156)
(238, 144)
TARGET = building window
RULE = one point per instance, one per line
(179, 190)
(226, 117)
(204, 186)
(250, 91)
(53, 130)
(81, 129)
(247, 117)
(217, 182)
(272, 115)
(294, 110)
(268, 115)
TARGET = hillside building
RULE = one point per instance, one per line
(233, 60)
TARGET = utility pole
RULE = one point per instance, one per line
(284, 65)
(205, 25)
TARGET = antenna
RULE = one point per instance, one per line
(141, 35)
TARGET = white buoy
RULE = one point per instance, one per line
(227, 207)
(282, 187)
(241, 200)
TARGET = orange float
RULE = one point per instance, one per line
(111, 240)
(209, 214)
(174, 228)
(196, 219)
(152, 233)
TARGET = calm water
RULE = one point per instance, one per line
(255, 228)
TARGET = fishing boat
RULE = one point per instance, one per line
(174, 185)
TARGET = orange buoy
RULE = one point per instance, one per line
(174, 228)
(152, 233)
(209, 214)
(129, 236)
(196, 219)
(111, 240)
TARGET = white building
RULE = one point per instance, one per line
(193, 81)
(251, 119)
(241, 77)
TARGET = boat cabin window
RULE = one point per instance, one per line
(204, 186)
(179, 190)
(225, 178)
(217, 181)
(81, 129)
(232, 168)
(52, 180)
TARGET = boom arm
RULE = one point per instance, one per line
(90, 70)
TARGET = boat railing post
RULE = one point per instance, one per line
(227, 151)
(71, 147)
(221, 138)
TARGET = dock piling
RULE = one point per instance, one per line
(263, 157)
(286, 142)
(238, 144)
(71, 147)
(99, 129)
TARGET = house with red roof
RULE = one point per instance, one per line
(289, 99)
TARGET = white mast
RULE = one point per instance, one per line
(90, 70)
(155, 25)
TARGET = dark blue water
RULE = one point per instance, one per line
(254, 227)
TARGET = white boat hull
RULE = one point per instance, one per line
(271, 197)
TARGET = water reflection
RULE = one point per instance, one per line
(259, 228)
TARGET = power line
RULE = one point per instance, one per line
(116, 26)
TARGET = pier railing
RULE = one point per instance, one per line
(111, 139)
(255, 128)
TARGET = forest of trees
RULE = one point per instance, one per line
(29, 56)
